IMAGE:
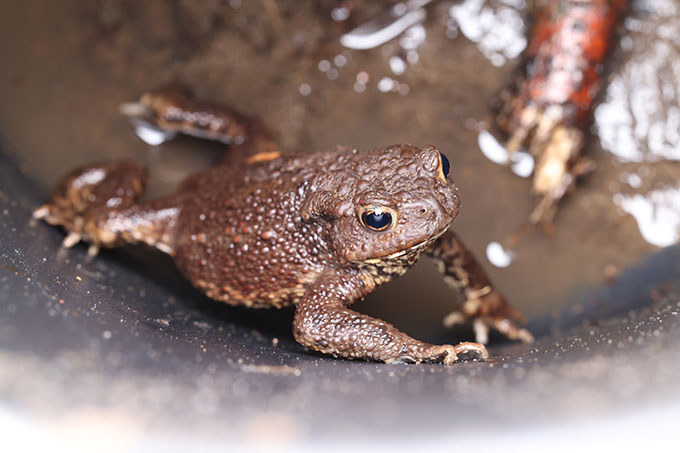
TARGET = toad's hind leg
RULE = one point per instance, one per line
(159, 116)
(98, 204)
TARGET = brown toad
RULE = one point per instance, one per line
(266, 229)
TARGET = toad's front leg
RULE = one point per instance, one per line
(485, 306)
(324, 322)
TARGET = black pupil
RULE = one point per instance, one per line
(446, 166)
(377, 220)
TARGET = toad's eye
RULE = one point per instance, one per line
(444, 166)
(377, 219)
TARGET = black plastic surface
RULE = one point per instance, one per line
(122, 340)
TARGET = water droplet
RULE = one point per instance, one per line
(305, 89)
(497, 30)
(499, 256)
(412, 57)
(403, 89)
(632, 179)
(522, 164)
(657, 214)
(340, 14)
(340, 60)
(397, 65)
(413, 37)
(385, 84)
(491, 148)
(153, 136)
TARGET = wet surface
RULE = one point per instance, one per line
(112, 350)
(69, 65)
(65, 83)
(638, 121)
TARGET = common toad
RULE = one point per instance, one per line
(271, 229)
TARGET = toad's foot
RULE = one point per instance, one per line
(484, 306)
(168, 112)
(85, 195)
(448, 354)
(98, 204)
(488, 309)
(445, 354)
(160, 115)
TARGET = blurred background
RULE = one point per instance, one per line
(121, 348)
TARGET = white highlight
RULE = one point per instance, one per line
(639, 119)
(367, 36)
(305, 89)
(89, 178)
(498, 256)
(153, 136)
(491, 148)
(413, 37)
(340, 14)
(522, 164)
(385, 84)
(397, 65)
(657, 214)
(498, 31)
(632, 179)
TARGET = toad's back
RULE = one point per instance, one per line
(240, 236)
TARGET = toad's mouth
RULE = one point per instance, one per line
(408, 250)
